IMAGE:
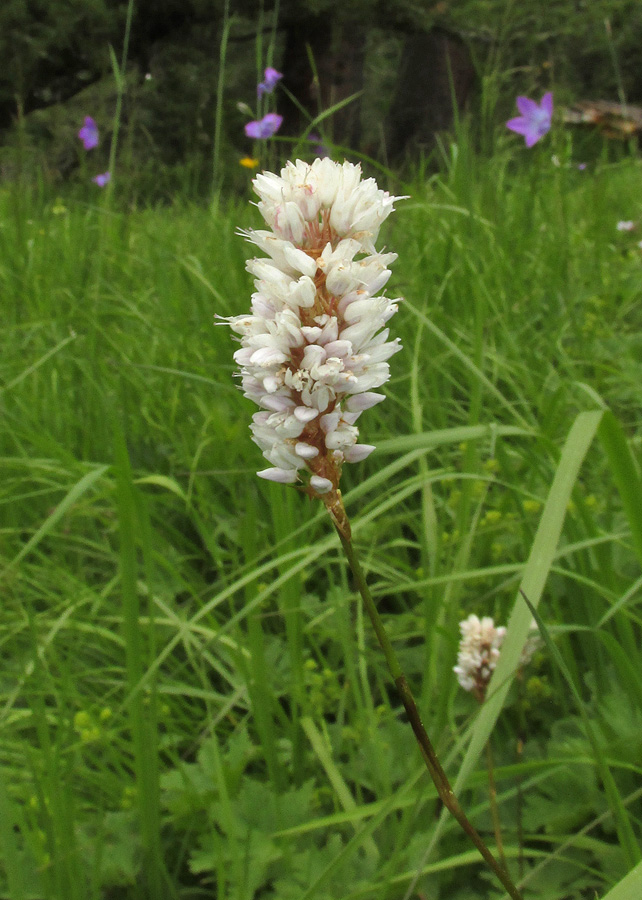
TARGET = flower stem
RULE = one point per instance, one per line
(492, 791)
(433, 765)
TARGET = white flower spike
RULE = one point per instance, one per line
(478, 653)
(479, 647)
(315, 346)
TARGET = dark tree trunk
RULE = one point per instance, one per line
(436, 68)
(337, 52)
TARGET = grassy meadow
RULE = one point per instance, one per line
(192, 704)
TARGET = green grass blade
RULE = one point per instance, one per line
(36, 365)
(626, 475)
(134, 527)
(540, 560)
(468, 364)
(220, 87)
(341, 789)
(430, 440)
(9, 825)
(534, 578)
(629, 887)
(81, 487)
(625, 832)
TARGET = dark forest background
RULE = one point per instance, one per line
(406, 59)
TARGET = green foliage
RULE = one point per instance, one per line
(189, 693)
(52, 48)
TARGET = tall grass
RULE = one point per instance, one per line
(191, 702)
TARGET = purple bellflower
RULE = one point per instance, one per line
(88, 134)
(102, 179)
(319, 147)
(264, 128)
(271, 77)
(535, 119)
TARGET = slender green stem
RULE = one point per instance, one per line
(218, 116)
(521, 740)
(433, 765)
(492, 791)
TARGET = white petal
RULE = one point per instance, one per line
(320, 485)
(330, 421)
(305, 413)
(360, 308)
(283, 476)
(276, 402)
(359, 402)
(310, 332)
(291, 223)
(358, 452)
(267, 356)
(305, 451)
(300, 261)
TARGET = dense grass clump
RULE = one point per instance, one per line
(191, 702)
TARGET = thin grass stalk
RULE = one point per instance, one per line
(142, 714)
(49, 781)
(290, 607)
(220, 86)
(11, 825)
(519, 753)
(106, 223)
(439, 777)
(120, 74)
(494, 811)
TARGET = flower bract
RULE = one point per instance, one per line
(271, 78)
(535, 119)
(315, 346)
(88, 134)
(265, 127)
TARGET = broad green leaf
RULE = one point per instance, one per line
(539, 562)
(534, 578)
(629, 888)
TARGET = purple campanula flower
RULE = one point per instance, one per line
(319, 147)
(265, 127)
(102, 179)
(88, 134)
(535, 119)
(271, 77)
